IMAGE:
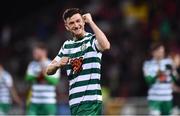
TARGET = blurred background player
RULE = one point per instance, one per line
(7, 91)
(43, 90)
(159, 73)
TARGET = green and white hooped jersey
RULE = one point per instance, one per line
(85, 85)
(159, 91)
(42, 93)
(6, 83)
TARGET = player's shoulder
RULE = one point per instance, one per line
(146, 62)
(167, 60)
(149, 63)
(90, 35)
(67, 42)
(6, 74)
(33, 63)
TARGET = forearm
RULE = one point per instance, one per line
(51, 69)
(150, 80)
(52, 80)
(15, 96)
(100, 36)
(30, 78)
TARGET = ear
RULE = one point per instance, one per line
(67, 28)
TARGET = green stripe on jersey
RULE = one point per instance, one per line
(83, 83)
(85, 72)
(84, 93)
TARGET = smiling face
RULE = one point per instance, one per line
(75, 25)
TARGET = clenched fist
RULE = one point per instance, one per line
(62, 62)
(87, 18)
(54, 65)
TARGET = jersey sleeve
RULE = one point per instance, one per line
(174, 73)
(61, 53)
(53, 79)
(149, 73)
(94, 43)
(31, 73)
(8, 80)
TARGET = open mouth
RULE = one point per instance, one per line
(77, 29)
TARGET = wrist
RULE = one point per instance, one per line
(91, 23)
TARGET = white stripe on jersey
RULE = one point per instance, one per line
(38, 87)
(85, 78)
(84, 88)
(160, 98)
(43, 94)
(43, 100)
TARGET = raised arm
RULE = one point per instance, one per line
(100, 36)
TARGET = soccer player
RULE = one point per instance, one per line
(159, 74)
(43, 97)
(81, 57)
(7, 92)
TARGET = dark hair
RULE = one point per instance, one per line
(41, 46)
(155, 46)
(70, 12)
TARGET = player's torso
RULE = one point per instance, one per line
(87, 80)
(82, 50)
(4, 89)
(42, 92)
(162, 89)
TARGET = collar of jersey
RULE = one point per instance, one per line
(76, 40)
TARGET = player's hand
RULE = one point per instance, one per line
(63, 62)
(87, 18)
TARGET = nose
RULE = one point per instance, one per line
(75, 24)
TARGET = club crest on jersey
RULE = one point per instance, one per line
(83, 47)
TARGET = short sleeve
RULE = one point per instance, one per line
(8, 80)
(60, 53)
(94, 43)
(148, 70)
(33, 69)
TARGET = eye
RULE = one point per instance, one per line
(78, 20)
(71, 23)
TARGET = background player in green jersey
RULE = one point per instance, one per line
(81, 57)
(43, 94)
(7, 91)
(159, 74)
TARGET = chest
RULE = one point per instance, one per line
(79, 49)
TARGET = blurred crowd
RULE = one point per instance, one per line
(131, 26)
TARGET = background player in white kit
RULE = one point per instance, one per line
(7, 91)
(159, 74)
(43, 96)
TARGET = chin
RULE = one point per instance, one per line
(78, 34)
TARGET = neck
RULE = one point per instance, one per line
(43, 59)
(76, 37)
(158, 59)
